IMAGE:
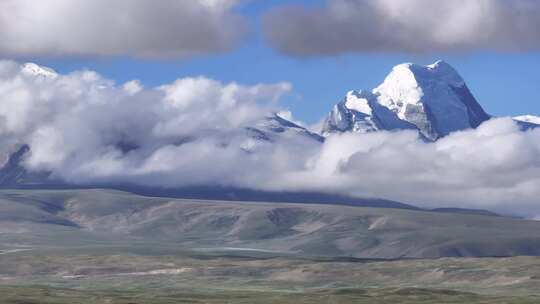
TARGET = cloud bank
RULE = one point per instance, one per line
(196, 131)
(137, 28)
(84, 128)
(495, 167)
(412, 26)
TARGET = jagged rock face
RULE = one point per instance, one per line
(12, 171)
(360, 112)
(433, 99)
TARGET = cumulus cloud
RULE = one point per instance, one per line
(83, 127)
(196, 131)
(496, 167)
(417, 26)
(139, 28)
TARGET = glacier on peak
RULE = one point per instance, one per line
(359, 102)
(434, 99)
(360, 112)
(528, 119)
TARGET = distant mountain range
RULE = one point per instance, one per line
(433, 100)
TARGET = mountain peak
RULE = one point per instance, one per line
(443, 71)
(434, 99)
(360, 112)
(529, 119)
(527, 122)
(411, 76)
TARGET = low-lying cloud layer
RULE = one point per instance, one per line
(138, 28)
(84, 128)
(496, 166)
(418, 26)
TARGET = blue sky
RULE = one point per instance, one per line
(505, 83)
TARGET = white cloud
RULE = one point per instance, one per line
(496, 167)
(348, 26)
(83, 127)
(139, 28)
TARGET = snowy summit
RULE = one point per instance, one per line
(433, 99)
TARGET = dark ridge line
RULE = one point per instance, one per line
(228, 194)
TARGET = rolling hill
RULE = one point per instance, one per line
(72, 218)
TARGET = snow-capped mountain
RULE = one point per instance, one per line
(527, 122)
(433, 99)
(275, 125)
(275, 128)
(528, 119)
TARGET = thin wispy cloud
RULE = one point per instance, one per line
(404, 26)
(135, 28)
